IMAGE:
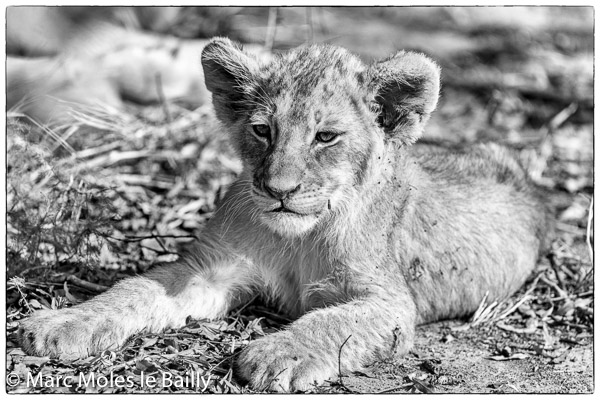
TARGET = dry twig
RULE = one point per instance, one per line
(94, 287)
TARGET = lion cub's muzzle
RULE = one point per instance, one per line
(293, 199)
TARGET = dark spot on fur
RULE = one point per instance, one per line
(339, 66)
(360, 78)
(416, 269)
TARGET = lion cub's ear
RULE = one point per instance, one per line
(228, 73)
(406, 87)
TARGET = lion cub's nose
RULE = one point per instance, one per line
(280, 189)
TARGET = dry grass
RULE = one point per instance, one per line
(125, 191)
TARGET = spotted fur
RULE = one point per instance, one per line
(360, 237)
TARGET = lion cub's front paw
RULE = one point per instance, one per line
(280, 363)
(70, 333)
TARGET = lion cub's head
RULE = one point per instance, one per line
(312, 125)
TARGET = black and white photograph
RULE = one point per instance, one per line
(288, 198)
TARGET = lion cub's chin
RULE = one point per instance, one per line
(288, 224)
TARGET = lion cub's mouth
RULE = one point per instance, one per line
(283, 209)
(286, 209)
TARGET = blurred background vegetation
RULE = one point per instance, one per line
(114, 157)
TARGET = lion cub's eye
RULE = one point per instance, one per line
(262, 131)
(326, 137)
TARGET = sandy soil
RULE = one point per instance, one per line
(461, 365)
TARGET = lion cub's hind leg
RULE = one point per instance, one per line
(476, 226)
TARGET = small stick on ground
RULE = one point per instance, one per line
(86, 153)
(516, 305)
(393, 389)
(128, 238)
(422, 386)
(114, 157)
(160, 242)
(562, 293)
(94, 287)
(242, 308)
(340, 361)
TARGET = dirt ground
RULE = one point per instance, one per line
(463, 365)
(522, 77)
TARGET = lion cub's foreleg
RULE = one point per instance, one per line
(202, 285)
(344, 337)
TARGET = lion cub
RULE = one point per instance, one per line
(334, 217)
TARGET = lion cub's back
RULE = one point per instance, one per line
(487, 162)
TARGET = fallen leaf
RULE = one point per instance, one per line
(254, 326)
(149, 342)
(33, 303)
(35, 361)
(145, 366)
